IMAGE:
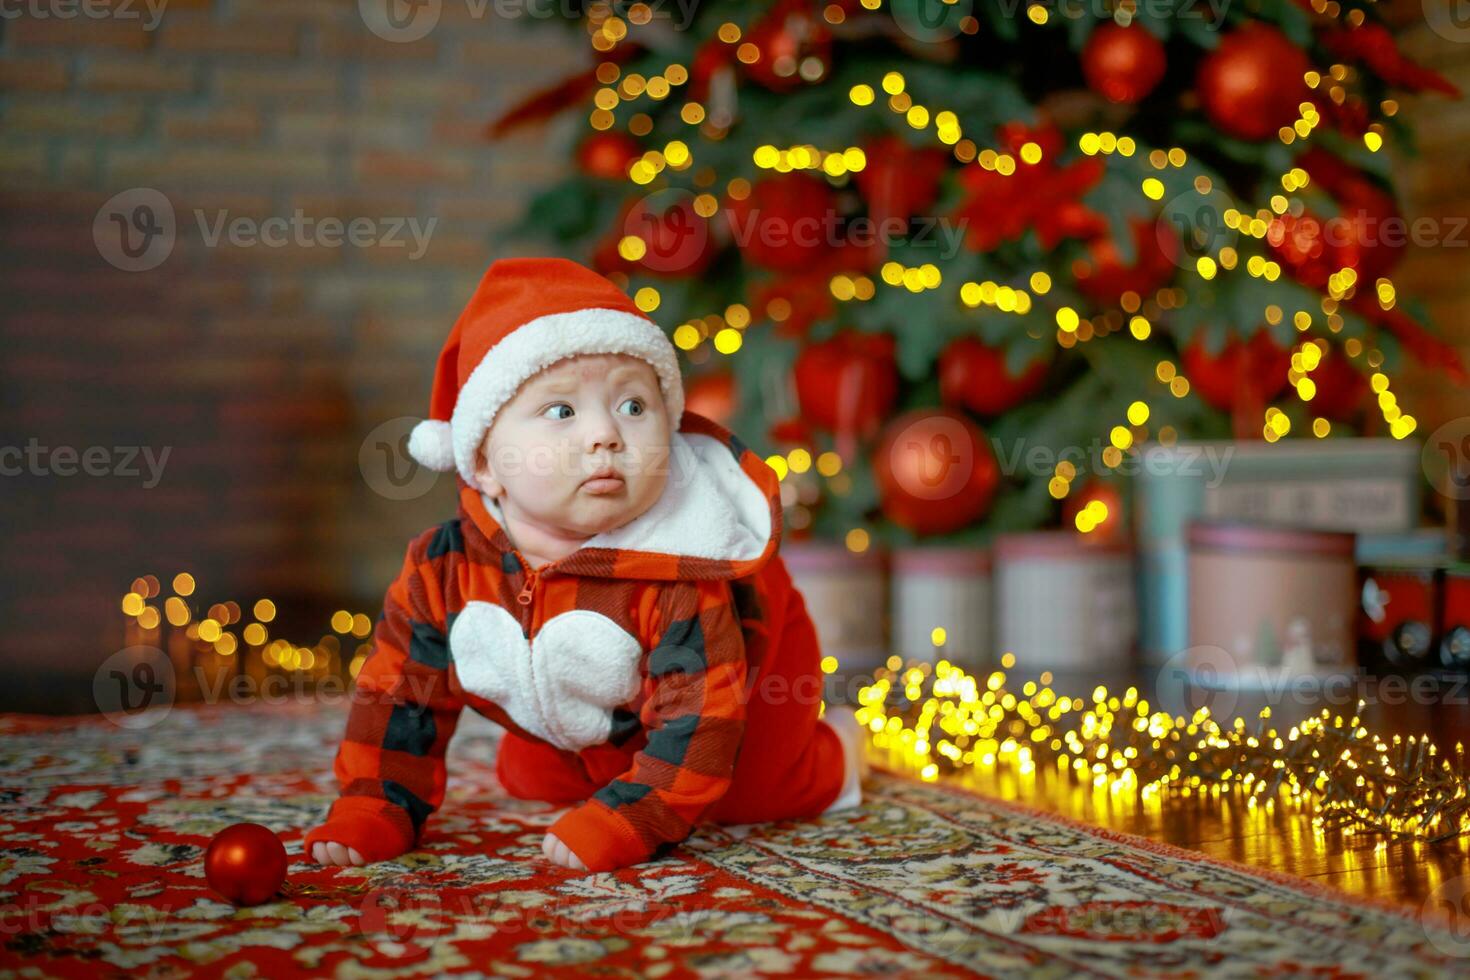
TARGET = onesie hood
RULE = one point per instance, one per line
(719, 516)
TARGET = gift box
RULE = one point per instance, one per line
(941, 604)
(1365, 486)
(1064, 601)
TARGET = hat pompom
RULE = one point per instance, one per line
(432, 445)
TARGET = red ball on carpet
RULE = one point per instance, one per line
(1251, 85)
(245, 863)
(1122, 64)
(975, 375)
(935, 472)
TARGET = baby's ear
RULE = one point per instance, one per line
(484, 477)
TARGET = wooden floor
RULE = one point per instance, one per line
(1282, 839)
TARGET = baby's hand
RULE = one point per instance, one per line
(558, 853)
(330, 852)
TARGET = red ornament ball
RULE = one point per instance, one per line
(608, 155)
(900, 181)
(1251, 85)
(1122, 64)
(1115, 526)
(785, 223)
(1102, 276)
(245, 863)
(935, 472)
(1254, 370)
(849, 383)
(677, 242)
(1342, 390)
(712, 395)
(975, 376)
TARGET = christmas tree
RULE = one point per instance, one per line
(890, 237)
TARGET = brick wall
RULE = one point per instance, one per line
(262, 369)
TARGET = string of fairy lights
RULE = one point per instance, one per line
(233, 632)
(939, 719)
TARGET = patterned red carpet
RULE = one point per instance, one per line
(102, 831)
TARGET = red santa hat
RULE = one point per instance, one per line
(526, 315)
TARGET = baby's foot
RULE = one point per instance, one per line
(844, 722)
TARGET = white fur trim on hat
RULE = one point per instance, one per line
(432, 445)
(540, 343)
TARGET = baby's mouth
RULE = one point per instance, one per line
(604, 481)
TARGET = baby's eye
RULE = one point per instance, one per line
(632, 406)
(559, 411)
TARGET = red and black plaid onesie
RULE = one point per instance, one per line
(664, 673)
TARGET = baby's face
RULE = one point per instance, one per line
(582, 447)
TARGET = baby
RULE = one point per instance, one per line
(610, 593)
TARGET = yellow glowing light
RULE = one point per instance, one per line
(1067, 319)
(132, 604)
(728, 340)
(647, 299)
(778, 463)
(184, 584)
(342, 621)
(829, 464)
(861, 95)
(857, 540)
(1138, 413)
(632, 248)
(265, 610)
(937, 636)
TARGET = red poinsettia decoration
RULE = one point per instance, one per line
(1045, 195)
